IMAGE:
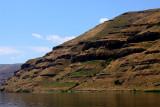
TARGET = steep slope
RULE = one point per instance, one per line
(120, 54)
(7, 70)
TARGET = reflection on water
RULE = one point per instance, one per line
(80, 100)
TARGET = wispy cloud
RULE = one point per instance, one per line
(17, 57)
(8, 50)
(102, 20)
(37, 36)
(58, 39)
(20, 56)
(13, 58)
(40, 49)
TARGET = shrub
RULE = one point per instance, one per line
(117, 82)
(148, 45)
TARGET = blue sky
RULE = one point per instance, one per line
(31, 28)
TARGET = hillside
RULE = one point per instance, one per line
(7, 70)
(119, 54)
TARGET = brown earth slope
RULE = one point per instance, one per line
(119, 54)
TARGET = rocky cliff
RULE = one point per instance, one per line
(119, 54)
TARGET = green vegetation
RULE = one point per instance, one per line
(148, 45)
(117, 82)
(68, 84)
(133, 66)
(155, 91)
(107, 62)
(138, 85)
(91, 62)
(87, 68)
(25, 91)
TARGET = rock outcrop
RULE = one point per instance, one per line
(119, 54)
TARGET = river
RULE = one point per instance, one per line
(107, 99)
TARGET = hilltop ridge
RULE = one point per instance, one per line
(119, 54)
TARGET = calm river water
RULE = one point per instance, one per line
(126, 99)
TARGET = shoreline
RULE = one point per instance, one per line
(87, 91)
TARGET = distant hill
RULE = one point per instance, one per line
(7, 70)
(119, 54)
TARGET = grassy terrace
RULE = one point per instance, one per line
(88, 68)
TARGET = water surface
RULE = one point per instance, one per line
(126, 99)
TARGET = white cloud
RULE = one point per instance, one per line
(54, 38)
(12, 58)
(20, 56)
(37, 36)
(8, 50)
(58, 39)
(102, 20)
(40, 49)
(17, 57)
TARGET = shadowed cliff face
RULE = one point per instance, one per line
(120, 54)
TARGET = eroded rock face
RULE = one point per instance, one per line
(152, 52)
(110, 44)
(25, 66)
(119, 54)
(148, 36)
(125, 52)
(92, 56)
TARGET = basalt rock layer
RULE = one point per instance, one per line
(119, 54)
